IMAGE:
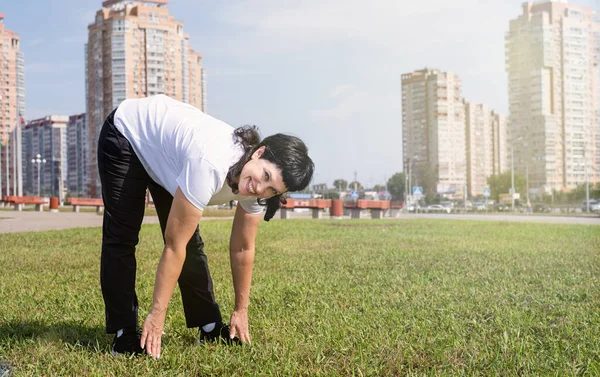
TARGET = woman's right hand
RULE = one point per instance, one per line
(152, 332)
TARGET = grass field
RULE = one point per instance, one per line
(329, 298)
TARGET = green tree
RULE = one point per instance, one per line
(379, 188)
(340, 184)
(501, 184)
(397, 186)
(355, 185)
(426, 177)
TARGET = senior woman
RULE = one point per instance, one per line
(188, 160)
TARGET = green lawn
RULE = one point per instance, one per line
(329, 298)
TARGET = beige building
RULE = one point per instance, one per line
(553, 65)
(136, 49)
(485, 146)
(480, 160)
(12, 108)
(499, 143)
(433, 126)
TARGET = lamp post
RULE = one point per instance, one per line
(409, 188)
(38, 160)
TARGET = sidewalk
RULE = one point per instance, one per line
(31, 221)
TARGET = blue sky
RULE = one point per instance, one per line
(327, 71)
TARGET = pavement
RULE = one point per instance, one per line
(31, 221)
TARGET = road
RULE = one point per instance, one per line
(30, 221)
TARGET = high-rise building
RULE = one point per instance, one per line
(480, 160)
(136, 49)
(47, 137)
(553, 65)
(485, 146)
(499, 143)
(12, 109)
(78, 156)
(433, 126)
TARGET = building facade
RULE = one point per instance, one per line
(47, 137)
(553, 66)
(433, 126)
(479, 147)
(12, 109)
(136, 49)
(78, 156)
(485, 146)
(499, 143)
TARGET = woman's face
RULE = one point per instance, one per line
(260, 178)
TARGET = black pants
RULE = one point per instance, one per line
(124, 182)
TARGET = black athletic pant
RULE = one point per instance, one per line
(124, 182)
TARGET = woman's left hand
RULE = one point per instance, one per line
(239, 325)
(152, 332)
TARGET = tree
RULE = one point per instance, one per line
(501, 184)
(355, 186)
(396, 186)
(340, 184)
(379, 188)
(426, 177)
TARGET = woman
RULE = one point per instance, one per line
(188, 160)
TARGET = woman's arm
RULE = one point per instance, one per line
(241, 255)
(181, 224)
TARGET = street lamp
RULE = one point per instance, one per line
(38, 160)
(409, 177)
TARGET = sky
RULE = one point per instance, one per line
(327, 71)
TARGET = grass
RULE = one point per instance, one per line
(329, 298)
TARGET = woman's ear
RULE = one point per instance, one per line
(259, 152)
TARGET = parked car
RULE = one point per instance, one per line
(501, 207)
(594, 205)
(438, 208)
(479, 206)
(447, 204)
(541, 208)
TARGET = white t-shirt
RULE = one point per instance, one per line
(180, 146)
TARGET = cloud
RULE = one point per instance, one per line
(287, 25)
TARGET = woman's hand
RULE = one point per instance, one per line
(238, 324)
(152, 332)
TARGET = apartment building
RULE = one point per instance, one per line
(136, 49)
(553, 66)
(12, 109)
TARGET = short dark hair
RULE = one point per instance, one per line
(287, 152)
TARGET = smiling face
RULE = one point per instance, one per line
(260, 178)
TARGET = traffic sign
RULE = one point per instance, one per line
(486, 192)
(417, 191)
(354, 194)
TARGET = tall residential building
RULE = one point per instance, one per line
(480, 160)
(47, 137)
(136, 49)
(78, 156)
(486, 146)
(499, 143)
(433, 126)
(12, 109)
(553, 65)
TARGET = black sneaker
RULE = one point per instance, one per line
(219, 334)
(128, 343)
